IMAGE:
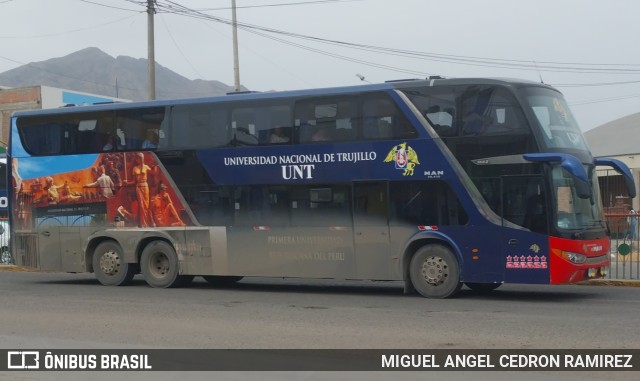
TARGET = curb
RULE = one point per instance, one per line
(611, 282)
(14, 268)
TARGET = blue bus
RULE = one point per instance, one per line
(438, 183)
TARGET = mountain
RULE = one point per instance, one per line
(93, 71)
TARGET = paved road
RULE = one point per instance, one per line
(48, 310)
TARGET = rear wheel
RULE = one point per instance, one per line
(435, 272)
(221, 280)
(109, 265)
(483, 287)
(159, 265)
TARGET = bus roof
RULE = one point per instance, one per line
(248, 96)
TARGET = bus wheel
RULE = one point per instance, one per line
(483, 287)
(434, 272)
(220, 280)
(159, 265)
(109, 265)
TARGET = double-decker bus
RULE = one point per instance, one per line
(437, 183)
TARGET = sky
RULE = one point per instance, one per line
(588, 49)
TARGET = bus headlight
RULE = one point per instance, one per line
(592, 272)
(574, 257)
(604, 270)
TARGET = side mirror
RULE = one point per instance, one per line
(622, 169)
(571, 164)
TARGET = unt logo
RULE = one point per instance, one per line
(404, 157)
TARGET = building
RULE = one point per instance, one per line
(618, 139)
(40, 97)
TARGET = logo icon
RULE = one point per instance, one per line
(405, 158)
(535, 248)
(23, 360)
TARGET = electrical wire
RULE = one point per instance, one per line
(548, 66)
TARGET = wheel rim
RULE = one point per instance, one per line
(435, 270)
(159, 265)
(110, 263)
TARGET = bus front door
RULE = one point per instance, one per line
(525, 251)
(371, 231)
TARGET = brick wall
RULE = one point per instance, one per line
(27, 98)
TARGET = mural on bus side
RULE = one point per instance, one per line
(119, 189)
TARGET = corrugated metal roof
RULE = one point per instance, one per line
(618, 137)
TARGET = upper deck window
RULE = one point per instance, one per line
(261, 124)
(470, 110)
(552, 114)
(326, 120)
(67, 133)
(336, 119)
(197, 125)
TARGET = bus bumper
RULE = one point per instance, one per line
(572, 261)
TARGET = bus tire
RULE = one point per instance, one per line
(159, 266)
(221, 280)
(483, 287)
(434, 272)
(109, 265)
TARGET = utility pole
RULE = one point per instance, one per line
(151, 54)
(236, 64)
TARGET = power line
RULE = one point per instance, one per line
(107, 6)
(278, 5)
(594, 84)
(549, 66)
(178, 47)
(602, 100)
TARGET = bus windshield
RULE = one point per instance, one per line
(573, 212)
(552, 114)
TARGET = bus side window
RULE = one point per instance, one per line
(326, 119)
(429, 202)
(243, 123)
(381, 119)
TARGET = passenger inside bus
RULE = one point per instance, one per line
(278, 135)
(151, 141)
(321, 134)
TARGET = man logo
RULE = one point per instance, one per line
(23, 360)
(404, 157)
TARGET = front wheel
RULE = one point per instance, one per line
(434, 272)
(159, 265)
(109, 265)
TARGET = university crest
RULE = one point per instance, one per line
(404, 157)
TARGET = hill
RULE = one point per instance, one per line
(94, 71)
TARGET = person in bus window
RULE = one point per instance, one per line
(109, 140)
(321, 134)
(278, 136)
(151, 141)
